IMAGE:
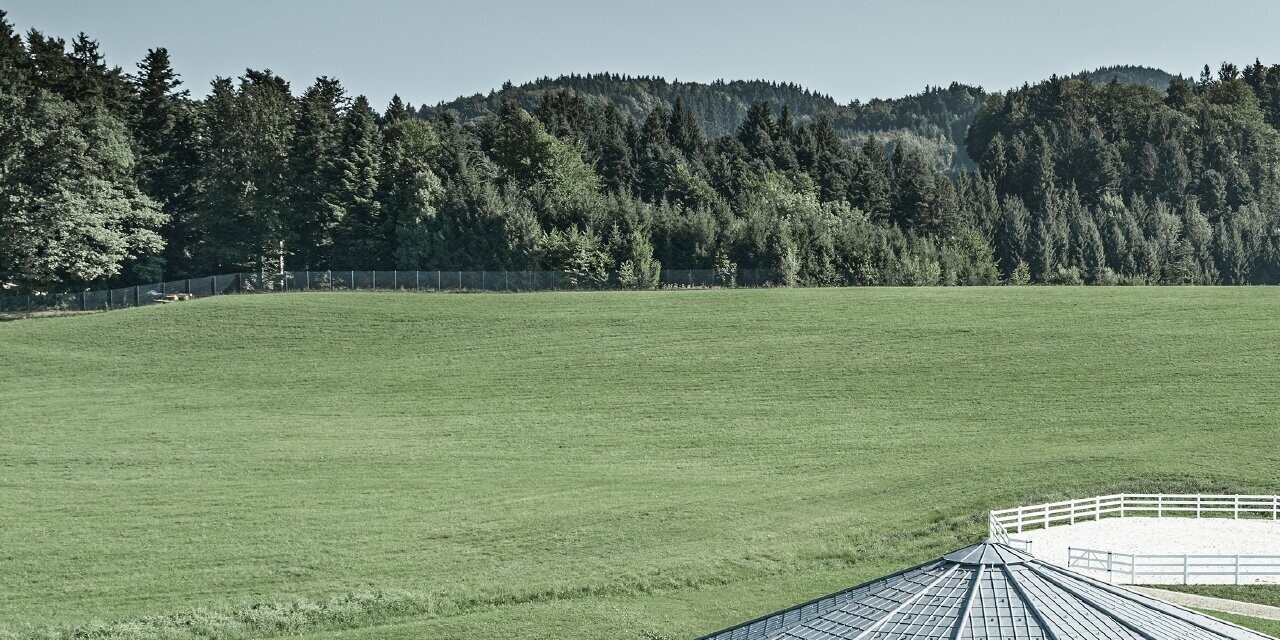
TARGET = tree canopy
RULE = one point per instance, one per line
(111, 178)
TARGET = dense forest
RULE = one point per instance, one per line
(110, 177)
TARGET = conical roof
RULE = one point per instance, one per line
(987, 590)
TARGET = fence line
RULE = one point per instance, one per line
(997, 532)
(1187, 567)
(141, 295)
(1019, 519)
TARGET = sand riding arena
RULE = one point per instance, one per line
(1153, 538)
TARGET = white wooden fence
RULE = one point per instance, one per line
(1000, 534)
(1003, 522)
(1166, 568)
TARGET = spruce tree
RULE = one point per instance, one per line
(244, 208)
(15, 66)
(913, 192)
(166, 136)
(656, 157)
(316, 202)
(683, 131)
(361, 235)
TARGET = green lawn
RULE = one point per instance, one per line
(585, 465)
(1269, 627)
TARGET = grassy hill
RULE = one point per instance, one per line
(583, 465)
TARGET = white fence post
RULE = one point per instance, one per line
(1180, 505)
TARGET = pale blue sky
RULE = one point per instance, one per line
(430, 51)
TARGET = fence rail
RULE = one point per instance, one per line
(1188, 568)
(1019, 519)
(374, 280)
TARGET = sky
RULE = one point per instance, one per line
(430, 51)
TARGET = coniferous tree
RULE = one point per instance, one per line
(683, 131)
(913, 192)
(243, 211)
(316, 204)
(15, 66)
(361, 233)
(166, 136)
(657, 159)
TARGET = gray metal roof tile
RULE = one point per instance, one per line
(982, 592)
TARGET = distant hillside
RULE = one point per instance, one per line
(1131, 74)
(720, 105)
(933, 121)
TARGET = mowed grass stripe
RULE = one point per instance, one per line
(258, 449)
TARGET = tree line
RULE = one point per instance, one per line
(111, 178)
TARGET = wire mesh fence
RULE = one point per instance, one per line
(124, 297)
(348, 280)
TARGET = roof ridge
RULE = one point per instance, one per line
(1142, 600)
(958, 629)
(781, 612)
(1090, 601)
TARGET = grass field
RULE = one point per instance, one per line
(584, 465)
(1269, 627)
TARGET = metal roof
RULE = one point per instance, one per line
(987, 590)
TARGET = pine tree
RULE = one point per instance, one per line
(656, 158)
(757, 131)
(246, 200)
(316, 203)
(15, 66)
(158, 104)
(361, 235)
(1011, 235)
(872, 191)
(51, 67)
(914, 193)
(683, 130)
(614, 164)
(396, 111)
(166, 136)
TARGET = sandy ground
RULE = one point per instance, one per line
(1204, 536)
